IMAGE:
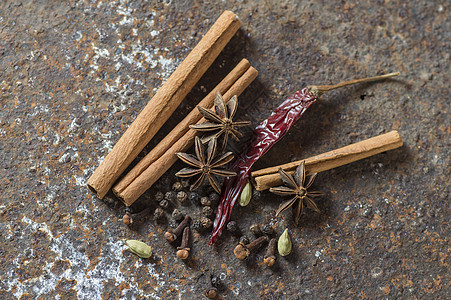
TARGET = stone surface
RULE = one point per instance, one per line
(75, 74)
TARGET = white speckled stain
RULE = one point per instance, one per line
(148, 52)
(89, 279)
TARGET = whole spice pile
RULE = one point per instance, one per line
(214, 117)
(266, 134)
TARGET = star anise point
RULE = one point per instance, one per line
(295, 185)
(205, 164)
(220, 121)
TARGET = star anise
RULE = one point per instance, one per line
(205, 164)
(295, 186)
(220, 122)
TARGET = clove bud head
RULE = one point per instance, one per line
(182, 253)
(211, 293)
(241, 252)
(284, 245)
(139, 248)
(269, 260)
(169, 236)
(127, 219)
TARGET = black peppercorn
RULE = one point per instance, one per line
(207, 211)
(232, 227)
(181, 196)
(255, 229)
(197, 225)
(205, 201)
(177, 215)
(164, 204)
(170, 196)
(214, 198)
(244, 239)
(206, 222)
(185, 183)
(159, 196)
(215, 281)
(158, 214)
(267, 229)
(256, 194)
(193, 197)
(177, 186)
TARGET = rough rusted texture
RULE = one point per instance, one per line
(75, 74)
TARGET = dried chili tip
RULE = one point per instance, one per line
(242, 251)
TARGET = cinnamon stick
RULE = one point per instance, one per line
(269, 177)
(148, 177)
(193, 117)
(163, 104)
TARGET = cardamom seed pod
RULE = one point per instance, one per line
(284, 245)
(139, 248)
(246, 194)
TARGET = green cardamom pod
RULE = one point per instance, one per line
(139, 248)
(284, 244)
(246, 194)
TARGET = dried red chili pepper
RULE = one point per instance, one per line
(266, 134)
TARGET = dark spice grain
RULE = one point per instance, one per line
(268, 229)
(207, 211)
(232, 227)
(182, 196)
(159, 196)
(158, 214)
(205, 201)
(177, 215)
(170, 196)
(255, 230)
(177, 186)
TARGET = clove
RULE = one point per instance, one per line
(270, 258)
(242, 251)
(183, 250)
(255, 229)
(129, 218)
(172, 234)
(211, 292)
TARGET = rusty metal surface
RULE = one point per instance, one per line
(74, 75)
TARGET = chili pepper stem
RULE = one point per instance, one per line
(318, 90)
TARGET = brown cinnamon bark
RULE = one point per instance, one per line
(163, 104)
(148, 177)
(269, 177)
(179, 131)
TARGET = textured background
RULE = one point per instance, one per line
(75, 74)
